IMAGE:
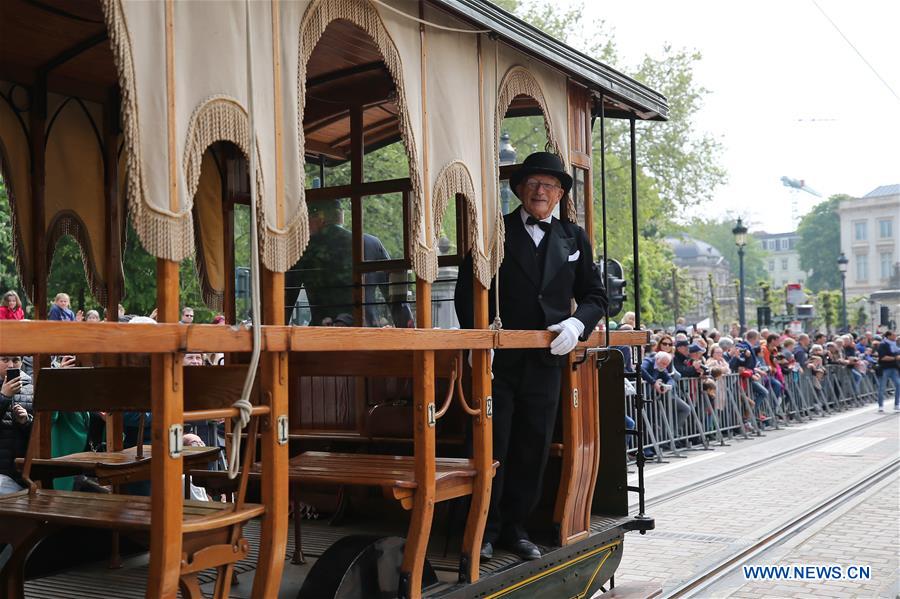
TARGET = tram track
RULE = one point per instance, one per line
(743, 469)
(722, 568)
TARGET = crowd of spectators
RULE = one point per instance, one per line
(73, 432)
(765, 362)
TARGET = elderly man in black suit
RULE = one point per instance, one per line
(547, 264)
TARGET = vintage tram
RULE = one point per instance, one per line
(178, 117)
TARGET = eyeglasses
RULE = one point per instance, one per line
(664, 343)
(187, 315)
(534, 184)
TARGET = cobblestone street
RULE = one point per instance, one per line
(697, 529)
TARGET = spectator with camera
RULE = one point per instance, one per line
(16, 417)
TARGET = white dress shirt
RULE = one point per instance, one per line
(536, 233)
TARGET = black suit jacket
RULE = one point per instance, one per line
(531, 302)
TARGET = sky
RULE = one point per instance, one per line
(788, 95)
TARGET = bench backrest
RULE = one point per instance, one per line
(127, 389)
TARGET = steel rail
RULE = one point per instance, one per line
(723, 476)
(786, 530)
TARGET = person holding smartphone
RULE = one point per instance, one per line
(16, 416)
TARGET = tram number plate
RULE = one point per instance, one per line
(431, 416)
(489, 406)
(283, 429)
(176, 440)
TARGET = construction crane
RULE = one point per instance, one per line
(797, 185)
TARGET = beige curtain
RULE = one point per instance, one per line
(74, 198)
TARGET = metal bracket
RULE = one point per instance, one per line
(176, 440)
(282, 429)
(489, 406)
(574, 398)
(431, 416)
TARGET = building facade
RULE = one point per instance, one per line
(782, 259)
(870, 239)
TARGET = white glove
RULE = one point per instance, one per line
(569, 330)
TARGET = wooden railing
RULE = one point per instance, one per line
(46, 337)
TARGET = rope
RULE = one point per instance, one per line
(243, 404)
(428, 23)
(498, 323)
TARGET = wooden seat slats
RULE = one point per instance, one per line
(113, 467)
(121, 512)
(375, 470)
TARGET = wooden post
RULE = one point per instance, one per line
(357, 156)
(482, 444)
(114, 284)
(424, 452)
(36, 129)
(167, 405)
(37, 138)
(273, 383)
(571, 456)
(167, 390)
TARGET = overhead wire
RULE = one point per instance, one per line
(855, 49)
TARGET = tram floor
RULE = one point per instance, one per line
(94, 580)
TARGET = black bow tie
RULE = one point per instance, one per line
(545, 226)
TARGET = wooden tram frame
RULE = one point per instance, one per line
(589, 96)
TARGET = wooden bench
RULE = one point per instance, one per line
(397, 475)
(211, 532)
(113, 467)
(454, 477)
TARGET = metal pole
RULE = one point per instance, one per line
(844, 301)
(676, 308)
(741, 315)
(639, 396)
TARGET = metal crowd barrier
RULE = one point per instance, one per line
(685, 417)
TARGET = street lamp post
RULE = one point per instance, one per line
(740, 240)
(842, 266)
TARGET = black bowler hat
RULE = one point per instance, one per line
(542, 163)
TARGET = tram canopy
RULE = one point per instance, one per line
(175, 76)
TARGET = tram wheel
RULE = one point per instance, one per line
(360, 567)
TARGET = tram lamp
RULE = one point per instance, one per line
(740, 240)
(615, 276)
(842, 267)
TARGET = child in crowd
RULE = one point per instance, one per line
(11, 309)
(60, 309)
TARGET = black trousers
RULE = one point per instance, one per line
(526, 399)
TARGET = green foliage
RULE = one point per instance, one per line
(678, 166)
(820, 244)
(8, 277)
(828, 310)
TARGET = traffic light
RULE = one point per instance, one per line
(616, 290)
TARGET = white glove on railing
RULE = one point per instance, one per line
(569, 330)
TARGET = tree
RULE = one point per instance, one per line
(717, 233)
(9, 279)
(820, 244)
(677, 164)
